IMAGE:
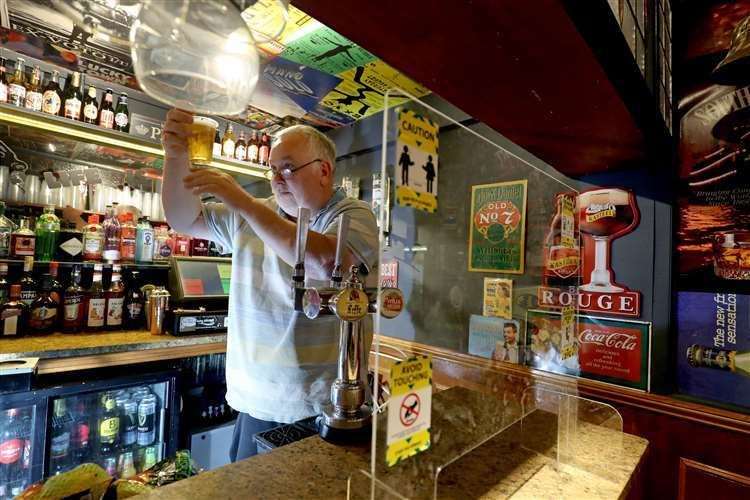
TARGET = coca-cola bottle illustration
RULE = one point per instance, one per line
(561, 249)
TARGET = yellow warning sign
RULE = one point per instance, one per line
(409, 409)
(407, 197)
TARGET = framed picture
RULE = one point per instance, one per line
(498, 297)
(495, 338)
(497, 232)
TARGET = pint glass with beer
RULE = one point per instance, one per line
(201, 140)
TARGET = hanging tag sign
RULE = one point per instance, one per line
(409, 409)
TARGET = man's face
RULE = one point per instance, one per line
(510, 334)
(304, 186)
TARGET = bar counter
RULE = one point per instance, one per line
(605, 466)
(76, 351)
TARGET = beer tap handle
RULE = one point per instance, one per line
(343, 233)
(303, 223)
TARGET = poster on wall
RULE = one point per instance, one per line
(713, 346)
(616, 351)
(417, 161)
(495, 338)
(604, 215)
(498, 297)
(498, 227)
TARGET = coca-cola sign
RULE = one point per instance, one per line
(609, 350)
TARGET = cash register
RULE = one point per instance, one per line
(199, 287)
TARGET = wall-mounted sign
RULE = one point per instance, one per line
(495, 338)
(498, 227)
(417, 161)
(616, 351)
(389, 274)
(409, 409)
(498, 297)
(304, 85)
(327, 51)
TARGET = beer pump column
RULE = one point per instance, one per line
(349, 415)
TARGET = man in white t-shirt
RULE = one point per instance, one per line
(280, 364)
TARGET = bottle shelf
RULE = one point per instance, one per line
(124, 265)
(41, 206)
(57, 126)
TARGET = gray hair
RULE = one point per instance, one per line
(321, 144)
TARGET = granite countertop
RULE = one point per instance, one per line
(64, 345)
(469, 455)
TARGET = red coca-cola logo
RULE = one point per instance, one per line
(617, 340)
(10, 451)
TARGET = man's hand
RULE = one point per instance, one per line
(175, 133)
(219, 184)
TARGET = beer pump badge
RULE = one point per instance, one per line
(409, 409)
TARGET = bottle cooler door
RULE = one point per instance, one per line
(121, 429)
(17, 440)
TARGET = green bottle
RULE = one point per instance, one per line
(47, 231)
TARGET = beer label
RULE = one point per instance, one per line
(165, 250)
(111, 254)
(16, 94)
(134, 309)
(72, 247)
(96, 312)
(72, 307)
(33, 101)
(227, 148)
(109, 428)
(42, 317)
(107, 118)
(92, 246)
(121, 119)
(10, 451)
(3, 92)
(24, 245)
(114, 311)
(351, 304)
(60, 445)
(90, 111)
(10, 322)
(240, 153)
(594, 212)
(28, 296)
(72, 108)
(216, 149)
(51, 102)
(263, 154)
(252, 153)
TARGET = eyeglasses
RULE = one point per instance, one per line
(287, 170)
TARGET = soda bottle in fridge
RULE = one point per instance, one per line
(128, 421)
(11, 452)
(79, 441)
(60, 440)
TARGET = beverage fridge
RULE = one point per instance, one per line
(124, 424)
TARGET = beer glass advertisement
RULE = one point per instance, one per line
(495, 338)
(713, 338)
(713, 240)
(498, 227)
(615, 351)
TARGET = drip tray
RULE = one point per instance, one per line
(285, 434)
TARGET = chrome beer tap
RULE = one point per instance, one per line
(348, 416)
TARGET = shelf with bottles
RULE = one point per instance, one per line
(38, 207)
(85, 264)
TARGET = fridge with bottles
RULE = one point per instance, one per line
(124, 424)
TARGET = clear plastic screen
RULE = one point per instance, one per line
(474, 230)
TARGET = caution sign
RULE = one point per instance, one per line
(409, 409)
(417, 162)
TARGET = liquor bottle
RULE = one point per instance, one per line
(719, 359)
(59, 448)
(3, 81)
(47, 231)
(133, 307)
(93, 240)
(34, 99)
(52, 97)
(217, 144)
(253, 148)
(43, 310)
(4, 284)
(90, 106)
(11, 448)
(79, 439)
(17, 84)
(55, 287)
(27, 281)
(6, 230)
(22, 240)
(264, 150)
(107, 111)
(69, 243)
(115, 300)
(162, 246)
(181, 244)
(127, 237)
(109, 426)
(122, 114)
(112, 232)
(240, 149)
(73, 303)
(227, 144)
(96, 302)
(13, 314)
(144, 241)
(73, 97)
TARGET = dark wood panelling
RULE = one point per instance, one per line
(700, 481)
